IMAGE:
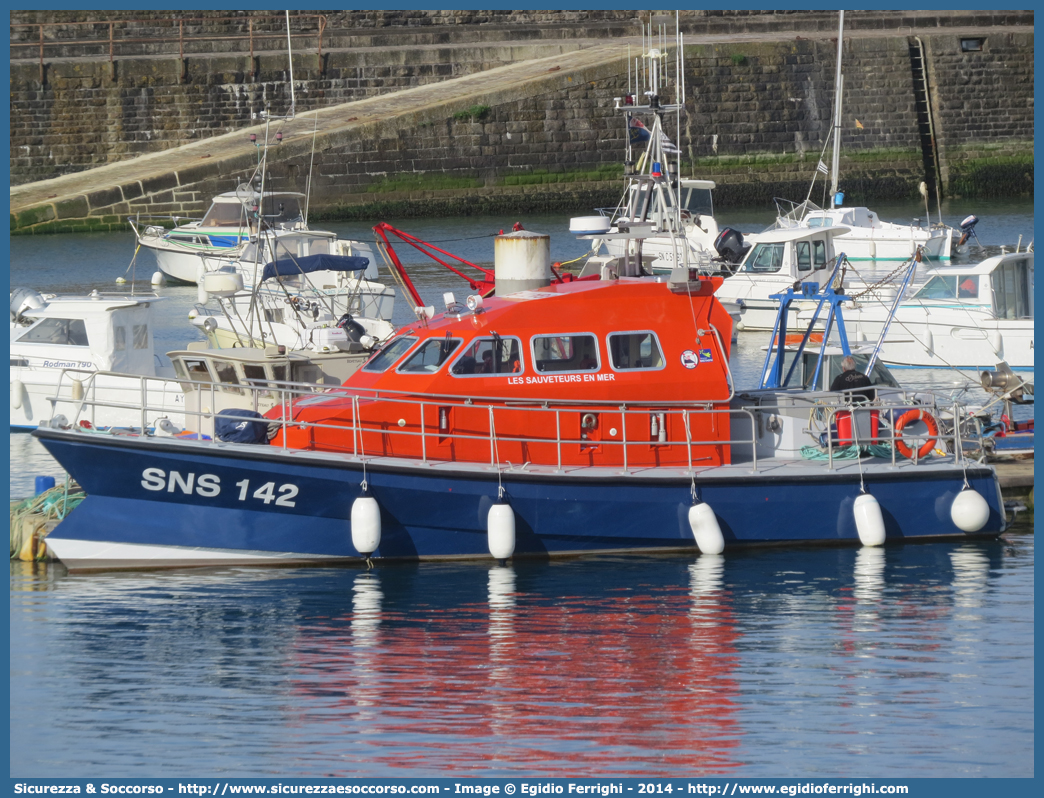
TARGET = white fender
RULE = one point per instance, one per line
(77, 389)
(159, 278)
(705, 529)
(366, 524)
(500, 530)
(969, 510)
(997, 343)
(928, 340)
(17, 394)
(868, 520)
(201, 294)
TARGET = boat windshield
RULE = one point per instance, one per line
(430, 356)
(965, 286)
(697, 201)
(64, 332)
(765, 259)
(384, 359)
(224, 214)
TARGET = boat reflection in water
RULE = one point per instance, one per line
(602, 679)
(598, 666)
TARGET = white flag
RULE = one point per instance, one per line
(666, 144)
(822, 167)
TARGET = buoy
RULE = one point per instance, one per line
(705, 529)
(77, 390)
(500, 530)
(120, 280)
(158, 278)
(868, 520)
(969, 510)
(17, 394)
(366, 524)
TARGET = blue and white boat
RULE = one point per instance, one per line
(604, 419)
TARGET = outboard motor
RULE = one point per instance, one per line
(968, 230)
(352, 328)
(23, 299)
(729, 245)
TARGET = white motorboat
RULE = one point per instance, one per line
(342, 290)
(300, 303)
(235, 218)
(81, 357)
(780, 259)
(962, 317)
(663, 220)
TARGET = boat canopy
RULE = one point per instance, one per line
(286, 267)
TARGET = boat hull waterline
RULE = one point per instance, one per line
(232, 503)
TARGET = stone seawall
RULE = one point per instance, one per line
(757, 115)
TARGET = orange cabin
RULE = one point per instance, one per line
(629, 372)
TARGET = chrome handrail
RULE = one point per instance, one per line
(281, 394)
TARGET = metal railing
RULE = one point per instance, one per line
(261, 396)
(123, 37)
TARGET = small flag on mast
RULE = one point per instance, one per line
(822, 167)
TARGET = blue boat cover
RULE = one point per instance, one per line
(235, 425)
(314, 263)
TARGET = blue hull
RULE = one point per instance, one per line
(265, 499)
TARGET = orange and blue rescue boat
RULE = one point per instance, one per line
(574, 418)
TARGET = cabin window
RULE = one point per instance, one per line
(141, 336)
(64, 332)
(804, 255)
(281, 209)
(119, 339)
(968, 287)
(274, 315)
(1012, 290)
(430, 356)
(256, 378)
(819, 254)
(488, 356)
(938, 287)
(194, 370)
(634, 350)
(820, 221)
(697, 201)
(565, 353)
(765, 258)
(226, 374)
(384, 359)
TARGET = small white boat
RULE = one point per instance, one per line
(962, 317)
(780, 259)
(227, 227)
(869, 238)
(309, 302)
(69, 353)
(253, 378)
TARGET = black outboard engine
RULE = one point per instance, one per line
(352, 328)
(968, 230)
(729, 245)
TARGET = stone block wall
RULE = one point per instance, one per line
(757, 116)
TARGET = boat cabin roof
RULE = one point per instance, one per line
(786, 235)
(634, 340)
(983, 267)
(236, 197)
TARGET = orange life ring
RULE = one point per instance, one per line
(933, 432)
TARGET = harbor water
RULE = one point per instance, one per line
(907, 661)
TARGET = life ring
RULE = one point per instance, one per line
(933, 432)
